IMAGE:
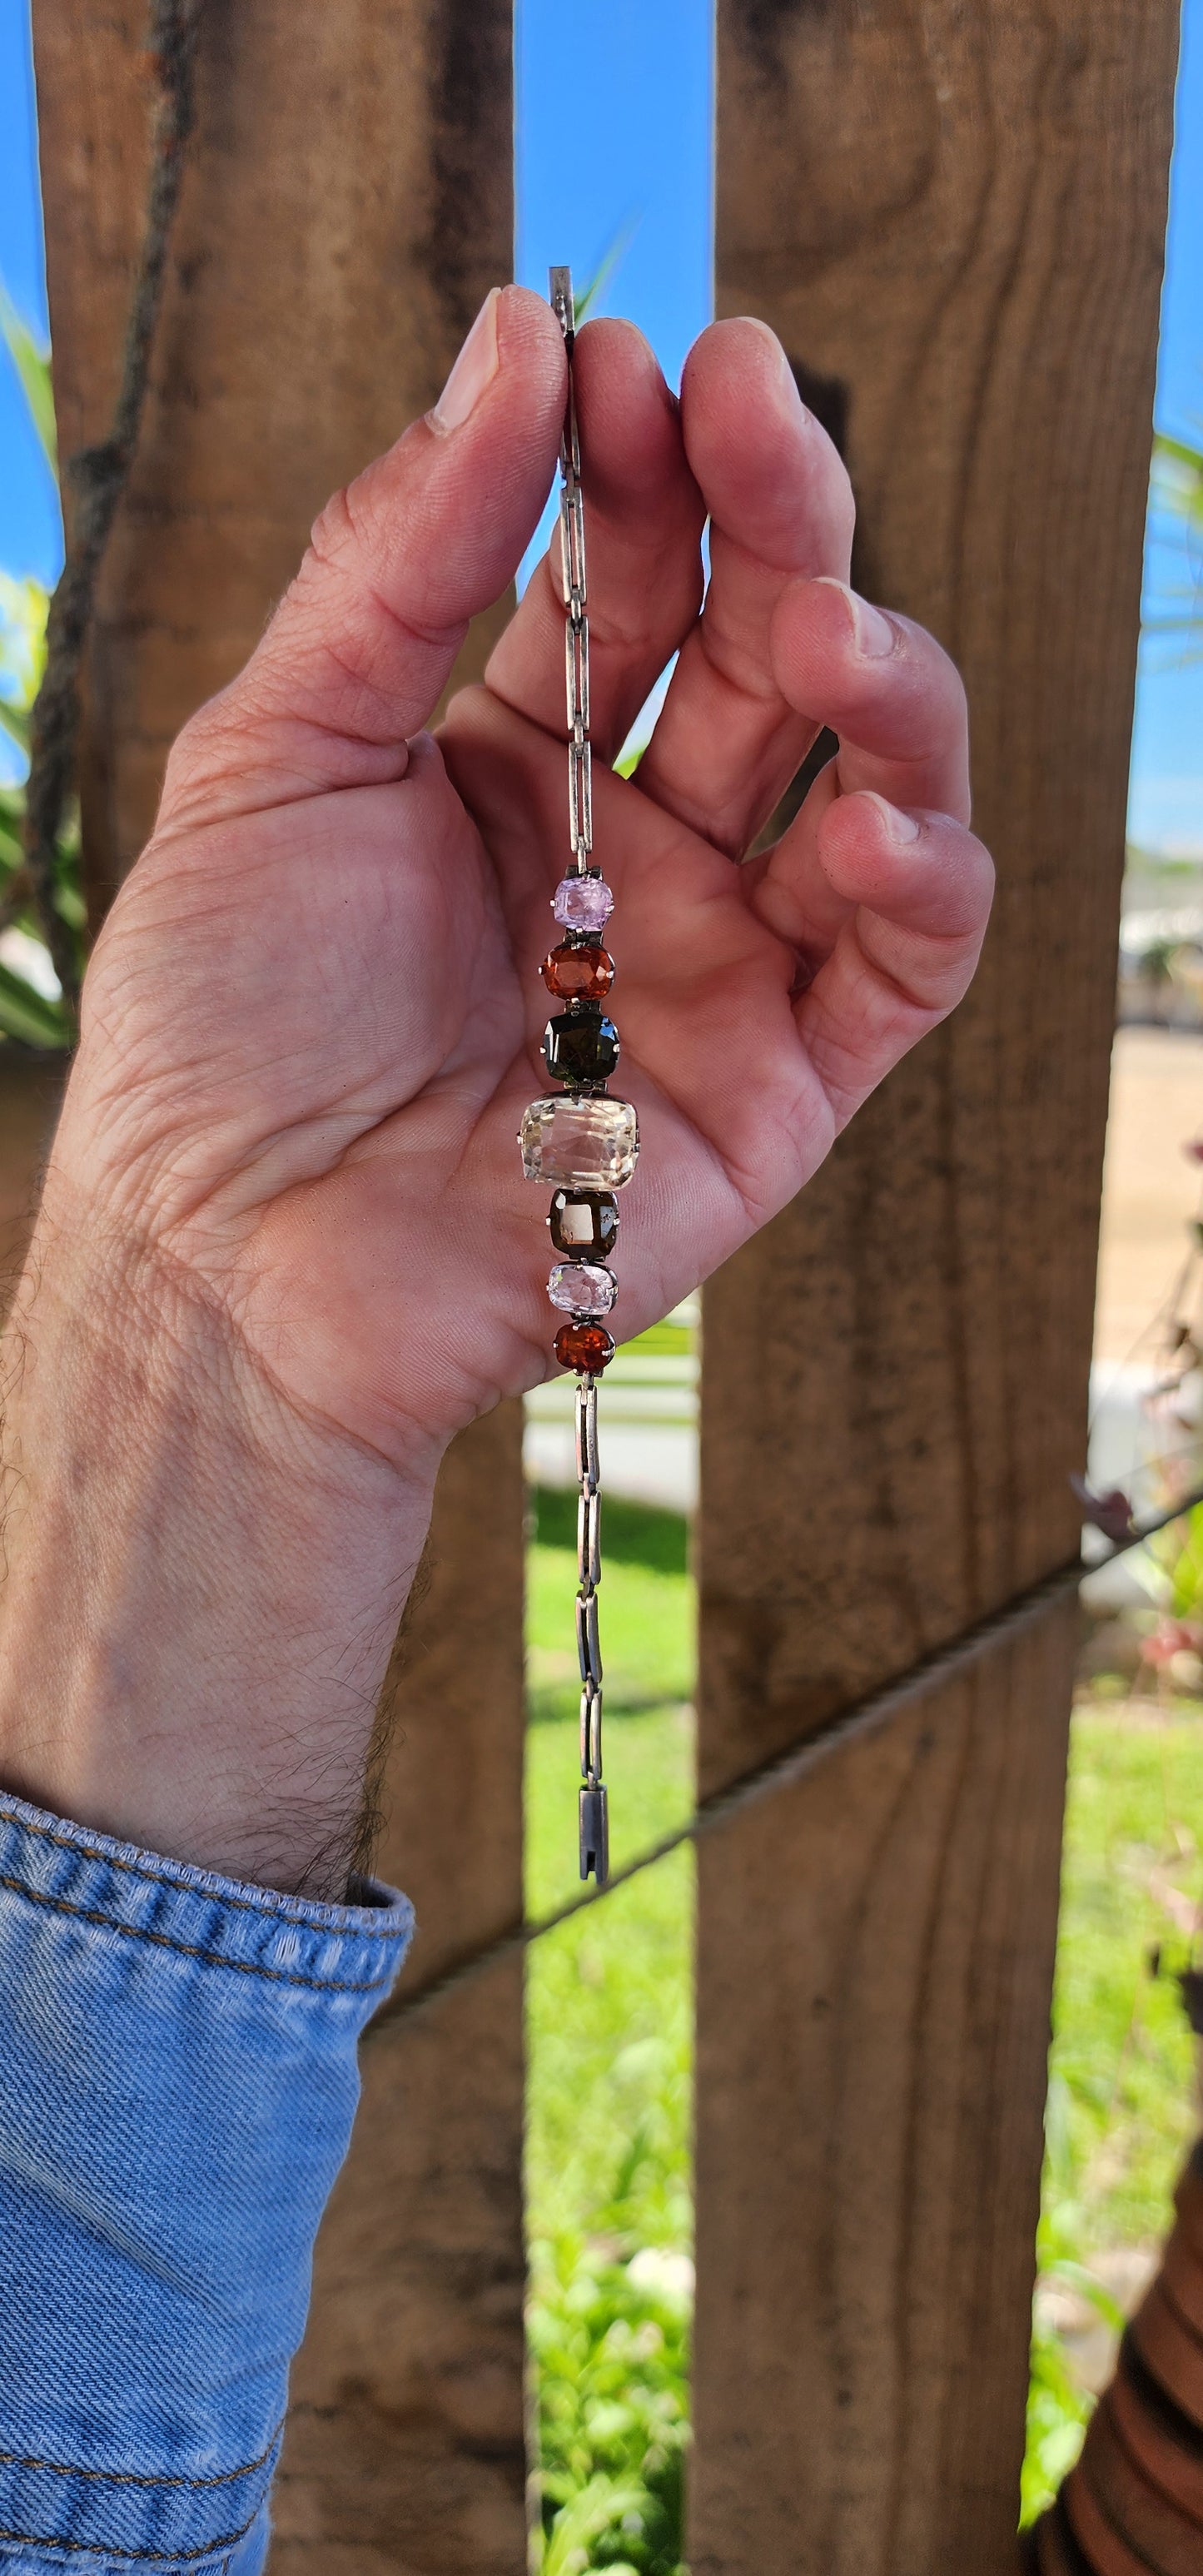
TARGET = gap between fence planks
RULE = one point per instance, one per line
(954, 217)
(346, 206)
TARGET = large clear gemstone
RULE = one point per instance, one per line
(582, 1288)
(586, 1144)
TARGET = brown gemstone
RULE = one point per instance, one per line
(586, 1347)
(578, 974)
(584, 1224)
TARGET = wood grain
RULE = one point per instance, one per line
(30, 1092)
(346, 206)
(405, 2443)
(954, 217)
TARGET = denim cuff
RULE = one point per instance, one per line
(178, 2079)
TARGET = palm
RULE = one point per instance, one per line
(315, 1018)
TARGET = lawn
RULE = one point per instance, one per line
(610, 2009)
(1122, 2101)
(609, 2002)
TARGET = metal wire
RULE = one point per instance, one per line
(864, 1718)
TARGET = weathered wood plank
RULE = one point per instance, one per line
(954, 217)
(30, 1092)
(405, 2442)
(346, 206)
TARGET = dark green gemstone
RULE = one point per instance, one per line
(584, 1223)
(580, 1046)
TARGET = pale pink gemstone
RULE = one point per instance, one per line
(582, 1288)
(582, 903)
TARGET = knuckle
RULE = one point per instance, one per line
(192, 756)
(939, 672)
(333, 533)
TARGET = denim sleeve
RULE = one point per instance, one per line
(177, 2085)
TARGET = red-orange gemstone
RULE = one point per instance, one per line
(578, 974)
(587, 1347)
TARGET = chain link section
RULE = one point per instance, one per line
(576, 597)
(594, 1821)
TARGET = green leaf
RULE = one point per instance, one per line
(33, 367)
(1178, 451)
(611, 259)
(1077, 2276)
(14, 724)
(28, 1015)
(70, 906)
(568, 2548)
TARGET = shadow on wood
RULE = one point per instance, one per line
(955, 217)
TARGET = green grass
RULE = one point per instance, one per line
(1121, 2109)
(1121, 2048)
(609, 2008)
(647, 1613)
(610, 2019)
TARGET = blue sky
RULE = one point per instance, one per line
(631, 173)
(30, 531)
(1166, 806)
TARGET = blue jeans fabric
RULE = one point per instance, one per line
(177, 2083)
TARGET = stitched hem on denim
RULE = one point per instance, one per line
(22, 2551)
(130, 2519)
(168, 2542)
(49, 1863)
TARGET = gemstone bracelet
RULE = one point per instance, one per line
(579, 1138)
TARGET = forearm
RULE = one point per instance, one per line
(202, 1587)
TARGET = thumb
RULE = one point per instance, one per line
(361, 645)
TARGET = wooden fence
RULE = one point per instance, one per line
(953, 213)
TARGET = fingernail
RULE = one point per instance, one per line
(897, 824)
(473, 371)
(875, 637)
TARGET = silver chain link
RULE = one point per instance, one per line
(576, 597)
(594, 1822)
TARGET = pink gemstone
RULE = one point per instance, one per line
(582, 1288)
(583, 903)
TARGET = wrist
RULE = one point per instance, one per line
(202, 1588)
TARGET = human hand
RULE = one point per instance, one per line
(285, 1214)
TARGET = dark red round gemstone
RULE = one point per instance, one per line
(578, 974)
(586, 1347)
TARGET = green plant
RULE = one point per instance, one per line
(1059, 2408)
(32, 363)
(1178, 477)
(31, 1011)
(1176, 493)
(610, 2038)
(609, 2333)
(1179, 1553)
